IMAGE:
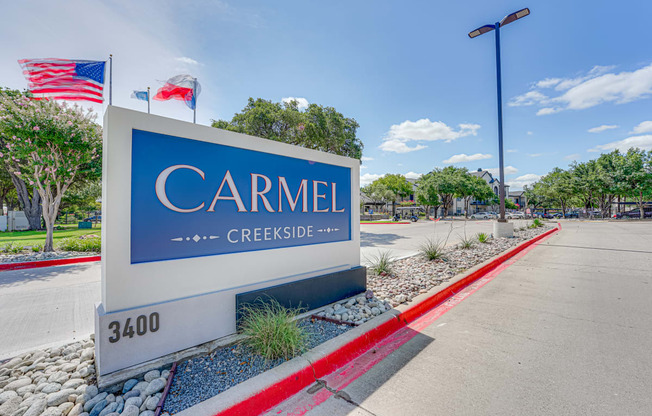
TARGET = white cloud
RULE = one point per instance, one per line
(643, 127)
(186, 60)
(521, 181)
(596, 87)
(512, 151)
(509, 170)
(529, 98)
(535, 154)
(529, 133)
(366, 159)
(301, 102)
(466, 158)
(367, 178)
(398, 146)
(548, 82)
(642, 142)
(399, 135)
(413, 175)
(363, 167)
(573, 156)
(602, 128)
(548, 110)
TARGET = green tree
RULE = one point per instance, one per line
(557, 186)
(398, 185)
(534, 196)
(28, 197)
(584, 182)
(470, 187)
(635, 172)
(426, 192)
(606, 180)
(447, 183)
(48, 145)
(378, 192)
(317, 127)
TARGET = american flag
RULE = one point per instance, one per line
(65, 79)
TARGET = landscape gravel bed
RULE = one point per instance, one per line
(201, 378)
(20, 258)
(60, 381)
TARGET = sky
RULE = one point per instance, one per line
(577, 76)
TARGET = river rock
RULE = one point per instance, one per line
(76, 410)
(91, 390)
(110, 408)
(130, 410)
(10, 406)
(133, 401)
(129, 384)
(37, 407)
(151, 403)
(155, 386)
(66, 408)
(73, 383)
(151, 375)
(95, 400)
(52, 411)
(147, 413)
(15, 385)
(25, 389)
(99, 406)
(4, 396)
(50, 388)
(59, 397)
(132, 393)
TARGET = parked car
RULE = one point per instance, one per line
(573, 214)
(484, 215)
(635, 213)
(94, 218)
(514, 215)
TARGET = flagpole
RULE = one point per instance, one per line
(147, 100)
(111, 79)
(194, 97)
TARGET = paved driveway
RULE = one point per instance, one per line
(565, 330)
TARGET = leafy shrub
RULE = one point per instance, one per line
(432, 249)
(83, 243)
(381, 263)
(272, 330)
(12, 248)
(537, 222)
(483, 237)
(36, 248)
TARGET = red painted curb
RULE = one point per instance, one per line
(47, 263)
(283, 389)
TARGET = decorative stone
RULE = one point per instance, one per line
(15, 385)
(130, 410)
(73, 383)
(4, 396)
(151, 375)
(155, 386)
(59, 397)
(132, 393)
(99, 406)
(76, 410)
(151, 403)
(66, 408)
(110, 408)
(91, 390)
(10, 406)
(36, 408)
(129, 384)
(134, 401)
(95, 400)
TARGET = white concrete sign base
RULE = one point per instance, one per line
(503, 229)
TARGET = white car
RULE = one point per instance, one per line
(514, 215)
(482, 216)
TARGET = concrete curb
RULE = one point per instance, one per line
(47, 263)
(260, 393)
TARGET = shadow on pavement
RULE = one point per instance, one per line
(373, 239)
(15, 277)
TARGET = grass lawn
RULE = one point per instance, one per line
(30, 238)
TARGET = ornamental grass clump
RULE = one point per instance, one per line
(272, 331)
(381, 264)
(466, 242)
(483, 238)
(432, 249)
(12, 248)
(87, 244)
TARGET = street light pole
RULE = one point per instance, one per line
(500, 127)
(475, 33)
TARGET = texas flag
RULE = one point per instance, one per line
(180, 87)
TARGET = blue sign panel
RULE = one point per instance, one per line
(191, 198)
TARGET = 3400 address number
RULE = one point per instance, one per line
(144, 324)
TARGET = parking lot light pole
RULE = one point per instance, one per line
(475, 33)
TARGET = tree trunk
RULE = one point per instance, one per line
(31, 207)
(640, 204)
(50, 210)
